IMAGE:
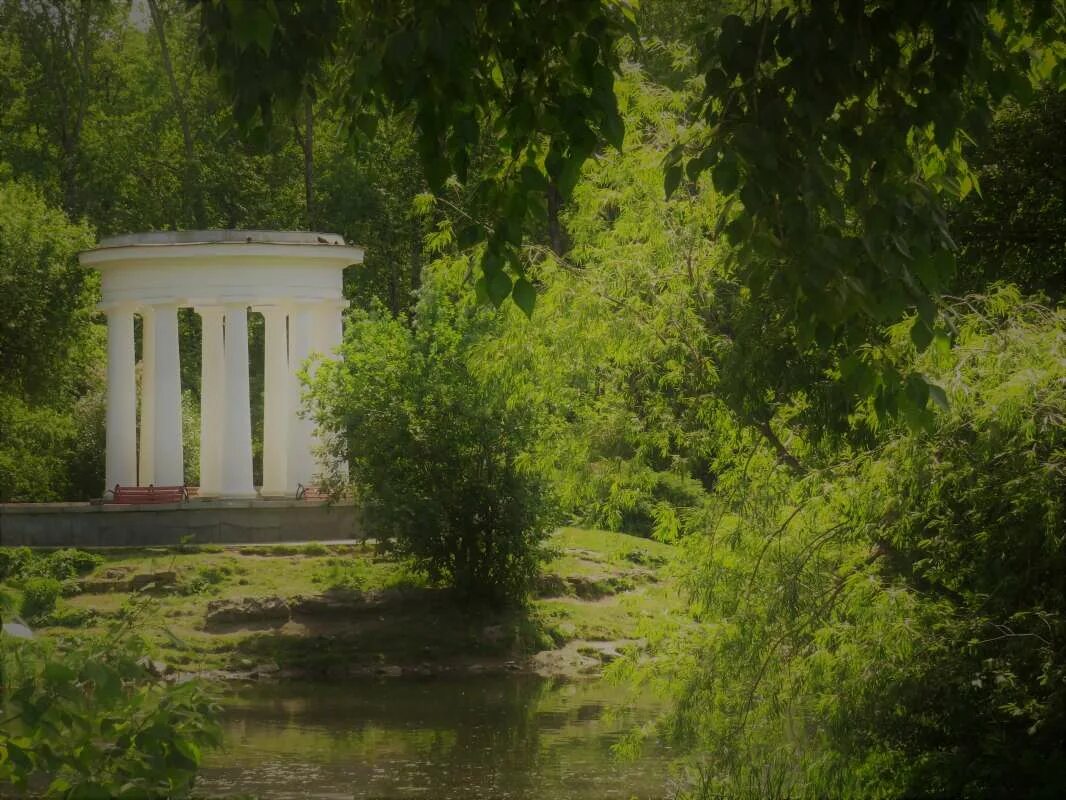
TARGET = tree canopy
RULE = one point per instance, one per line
(834, 127)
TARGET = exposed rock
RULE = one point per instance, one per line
(549, 585)
(581, 657)
(590, 587)
(101, 587)
(118, 579)
(493, 634)
(593, 587)
(328, 603)
(156, 580)
(156, 668)
(265, 670)
(247, 609)
(425, 670)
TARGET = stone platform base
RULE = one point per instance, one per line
(205, 521)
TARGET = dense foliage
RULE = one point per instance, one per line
(835, 127)
(51, 410)
(827, 361)
(90, 716)
(891, 624)
(90, 720)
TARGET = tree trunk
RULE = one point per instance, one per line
(783, 455)
(194, 200)
(81, 56)
(308, 143)
(416, 254)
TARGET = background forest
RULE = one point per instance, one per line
(871, 497)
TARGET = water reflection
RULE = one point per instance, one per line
(503, 738)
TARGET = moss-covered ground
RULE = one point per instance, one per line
(260, 610)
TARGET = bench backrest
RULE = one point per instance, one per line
(131, 495)
(311, 493)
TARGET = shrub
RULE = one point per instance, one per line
(13, 561)
(69, 563)
(342, 573)
(438, 459)
(206, 578)
(63, 565)
(39, 596)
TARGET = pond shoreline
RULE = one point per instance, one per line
(572, 662)
(321, 612)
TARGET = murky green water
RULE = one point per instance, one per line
(491, 738)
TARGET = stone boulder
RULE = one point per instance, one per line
(247, 610)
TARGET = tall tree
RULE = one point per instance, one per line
(61, 40)
(305, 138)
(192, 191)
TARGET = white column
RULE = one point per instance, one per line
(237, 415)
(167, 449)
(328, 334)
(146, 464)
(276, 403)
(328, 328)
(300, 464)
(121, 458)
(212, 400)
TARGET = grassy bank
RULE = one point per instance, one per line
(349, 609)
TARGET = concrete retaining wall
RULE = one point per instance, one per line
(206, 521)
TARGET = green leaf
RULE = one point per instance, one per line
(726, 175)
(939, 396)
(921, 334)
(533, 179)
(18, 756)
(524, 296)
(187, 748)
(570, 172)
(469, 235)
(672, 179)
(614, 130)
(917, 391)
(701, 162)
(58, 672)
(498, 287)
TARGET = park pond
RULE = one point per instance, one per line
(502, 737)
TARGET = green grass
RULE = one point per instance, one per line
(415, 623)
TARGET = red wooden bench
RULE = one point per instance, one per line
(311, 493)
(135, 495)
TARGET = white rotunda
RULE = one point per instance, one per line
(294, 279)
